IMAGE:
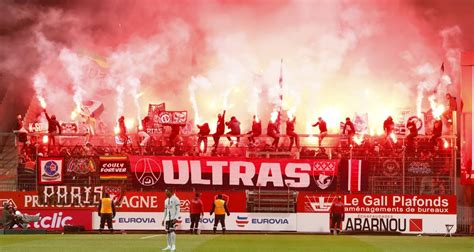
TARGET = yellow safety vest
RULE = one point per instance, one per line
(106, 207)
(219, 207)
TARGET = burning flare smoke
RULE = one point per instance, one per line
(39, 84)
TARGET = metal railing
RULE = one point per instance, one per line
(392, 168)
(465, 220)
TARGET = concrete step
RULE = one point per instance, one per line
(274, 209)
(255, 200)
(8, 164)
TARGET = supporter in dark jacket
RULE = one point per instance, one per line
(411, 126)
(256, 129)
(437, 132)
(349, 129)
(388, 126)
(273, 131)
(203, 133)
(290, 132)
(53, 128)
(175, 130)
(220, 128)
(234, 126)
(323, 130)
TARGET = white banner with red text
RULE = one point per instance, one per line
(379, 213)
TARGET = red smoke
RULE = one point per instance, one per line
(349, 54)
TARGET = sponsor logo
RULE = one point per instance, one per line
(318, 203)
(201, 220)
(242, 221)
(139, 201)
(9, 201)
(55, 221)
(376, 224)
(184, 205)
(81, 165)
(138, 220)
(416, 225)
(147, 171)
(272, 221)
(380, 204)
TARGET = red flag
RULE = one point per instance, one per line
(354, 174)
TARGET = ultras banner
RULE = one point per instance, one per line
(236, 173)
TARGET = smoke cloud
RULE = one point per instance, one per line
(339, 57)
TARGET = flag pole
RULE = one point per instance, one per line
(281, 85)
(280, 82)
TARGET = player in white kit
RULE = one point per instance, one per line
(170, 217)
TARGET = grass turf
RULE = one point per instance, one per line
(232, 242)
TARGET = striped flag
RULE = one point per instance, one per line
(354, 175)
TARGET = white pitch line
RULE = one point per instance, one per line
(150, 236)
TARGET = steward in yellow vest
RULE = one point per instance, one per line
(220, 209)
(106, 212)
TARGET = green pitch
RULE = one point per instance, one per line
(231, 242)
